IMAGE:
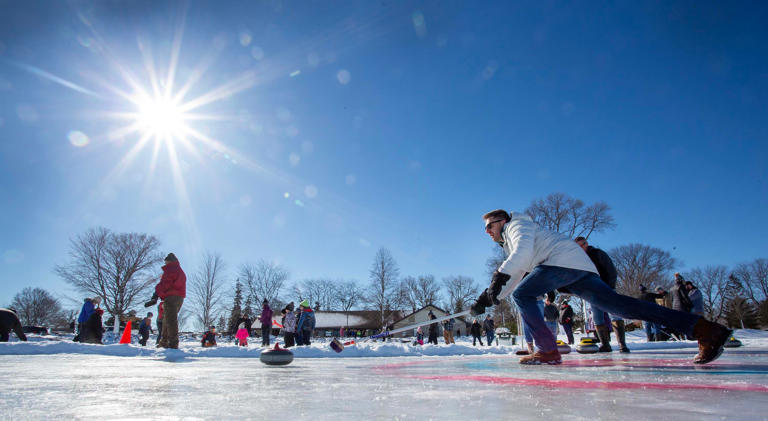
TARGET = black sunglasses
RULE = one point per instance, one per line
(491, 223)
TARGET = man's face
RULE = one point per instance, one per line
(493, 228)
(583, 244)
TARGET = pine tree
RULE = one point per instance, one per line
(248, 310)
(742, 314)
(236, 313)
(222, 325)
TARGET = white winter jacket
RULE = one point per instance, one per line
(527, 246)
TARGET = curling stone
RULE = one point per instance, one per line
(563, 347)
(732, 343)
(276, 356)
(337, 346)
(587, 346)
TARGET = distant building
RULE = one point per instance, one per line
(421, 315)
(329, 323)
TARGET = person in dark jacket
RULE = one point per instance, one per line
(477, 331)
(432, 338)
(145, 328)
(209, 338)
(289, 325)
(697, 300)
(172, 289)
(9, 321)
(679, 293)
(448, 331)
(490, 328)
(651, 329)
(608, 274)
(85, 313)
(566, 320)
(306, 323)
(245, 319)
(266, 322)
(93, 330)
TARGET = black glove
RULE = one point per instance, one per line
(498, 281)
(483, 301)
(151, 302)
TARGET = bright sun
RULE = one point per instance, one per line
(160, 117)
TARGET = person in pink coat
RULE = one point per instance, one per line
(242, 335)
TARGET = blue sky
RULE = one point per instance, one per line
(393, 124)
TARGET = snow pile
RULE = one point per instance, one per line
(189, 347)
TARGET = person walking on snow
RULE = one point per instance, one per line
(242, 335)
(85, 313)
(552, 262)
(432, 332)
(145, 327)
(477, 331)
(266, 322)
(306, 323)
(448, 331)
(490, 328)
(172, 289)
(9, 321)
(566, 320)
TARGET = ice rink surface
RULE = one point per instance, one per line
(646, 384)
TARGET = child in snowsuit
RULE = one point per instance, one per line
(289, 326)
(145, 327)
(306, 322)
(419, 336)
(477, 332)
(242, 335)
(209, 338)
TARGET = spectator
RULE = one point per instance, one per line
(145, 327)
(551, 313)
(85, 313)
(477, 332)
(419, 336)
(159, 322)
(93, 330)
(242, 335)
(246, 320)
(490, 328)
(608, 274)
(172, 289)
(266, 322)
(697, 300)
(209, 338)
(289, 325)
(679, 293)
(306, 323)
(432, 339)
(566, 320)
(651, 329)
(448, 331)
(9, 321)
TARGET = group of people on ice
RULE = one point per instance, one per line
(296, 325)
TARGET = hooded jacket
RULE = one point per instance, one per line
(307, 320)
(173, 282)
(527, 245)
(86, 311)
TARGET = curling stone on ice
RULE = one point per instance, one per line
(732, 342)
(276, 356)
(337, 346)
(563, 347)
(587, 346)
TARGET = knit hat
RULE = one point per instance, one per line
(171, 258)
(265, 301)
(213, 327)
(304, 304)
(241, 326)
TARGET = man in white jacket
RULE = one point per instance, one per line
(539, 261)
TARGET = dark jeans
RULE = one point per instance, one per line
(589, 287)
(288, 337)
(265, 331)
(306, 335)
(171, 307)
(568, 328)
(144, 337)
(476, 338)
(489, 338)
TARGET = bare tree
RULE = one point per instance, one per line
(754, 279)
(567, 215)
(382, 291)
(320, 293)
(461, 290)
(712, 282)
(205, 288)
(37, 307)
(419, 292)
(347, 294)
(639, 264)
(264, 279)
(114, 266)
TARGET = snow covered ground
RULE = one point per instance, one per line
(51, 377)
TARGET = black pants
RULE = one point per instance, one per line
(265, 331)
(288, 337)
(159, 330)
(432, 338)
(476, 338)
(306, 336)
(144, 337)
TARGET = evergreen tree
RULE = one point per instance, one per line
(742, 314)
(248, 310)
(236, 313)
(222, 325)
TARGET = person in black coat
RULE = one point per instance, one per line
(476, 330)
(566, 320)
(93, 330)
(209, 338)
(651, 329)
(432, 330)
(9, 321)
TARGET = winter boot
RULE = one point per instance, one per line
(618, 326)
(528, 351)
(711, 337)
(539, 357)
(605, 338)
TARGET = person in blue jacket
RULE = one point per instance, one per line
(145, 328)
(306, 322)
(85, 312)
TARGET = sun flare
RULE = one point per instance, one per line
(160, 117)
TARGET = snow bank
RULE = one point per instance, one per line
(189, 347)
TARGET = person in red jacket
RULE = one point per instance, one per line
(172, 289)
